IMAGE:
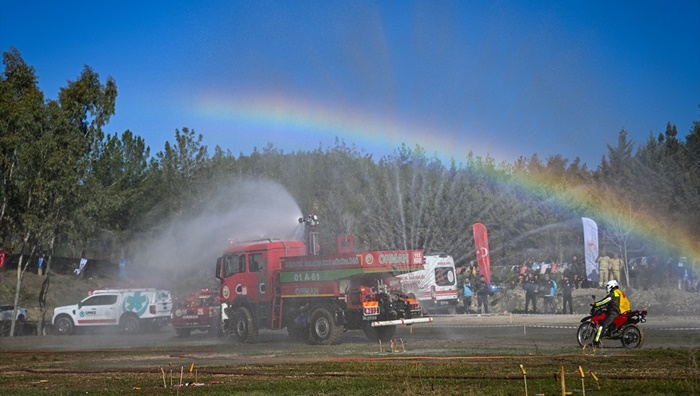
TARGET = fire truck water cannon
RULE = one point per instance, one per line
(311, 219)
(277, 284)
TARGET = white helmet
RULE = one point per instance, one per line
(611, 285)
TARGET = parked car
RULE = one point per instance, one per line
(129, 309)
(6, 312)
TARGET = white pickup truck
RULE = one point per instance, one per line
(129, 309)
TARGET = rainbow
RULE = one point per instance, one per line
(318, 121)
(314, 121)
(604, 207)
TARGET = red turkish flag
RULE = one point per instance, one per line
(481, 242)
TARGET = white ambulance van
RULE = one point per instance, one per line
(435, 285)
(131, 310)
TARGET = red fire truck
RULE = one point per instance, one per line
(200, 311)
(277, 284)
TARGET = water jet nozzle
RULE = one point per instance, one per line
(311, 219)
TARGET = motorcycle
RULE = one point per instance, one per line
(623, 328)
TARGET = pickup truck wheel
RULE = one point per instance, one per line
(383, 333)
(64, 325)
(130, 324)
(243, 328)
(324, 330)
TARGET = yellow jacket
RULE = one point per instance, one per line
(616, 300)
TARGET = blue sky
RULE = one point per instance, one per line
(503, 78)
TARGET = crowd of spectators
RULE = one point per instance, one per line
(543, 281)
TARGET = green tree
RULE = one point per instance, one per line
(48, 147)
(117, 189)
(178, 178)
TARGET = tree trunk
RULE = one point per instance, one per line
(20, 273)
(17, 288)
(48, 259)
(42, 303)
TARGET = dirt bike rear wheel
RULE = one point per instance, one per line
(585, 333)
(632, 336)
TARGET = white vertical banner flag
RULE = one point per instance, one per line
(590, 241)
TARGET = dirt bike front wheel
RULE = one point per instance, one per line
(585, 333)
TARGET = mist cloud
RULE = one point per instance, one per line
(243, 210)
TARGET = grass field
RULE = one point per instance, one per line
(644, 372)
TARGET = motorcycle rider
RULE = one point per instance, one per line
(615, 302)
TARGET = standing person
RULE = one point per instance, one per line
(615, 303)
(603, 269)
(634, 273)
(569, 274)
(40, 264)
(615, 266)
(467, 296)
(530, 286)
(579, 271)
(550, 290)
(482, 294)
(566, 289)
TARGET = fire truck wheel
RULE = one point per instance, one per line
(64, 325)
(374, 334)
(184, 333)
(130, 324)
(324, 330)
(243, 327)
